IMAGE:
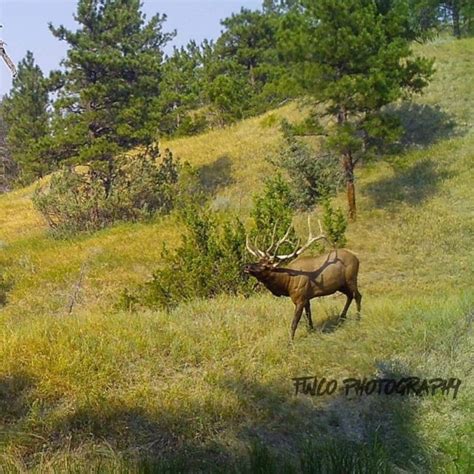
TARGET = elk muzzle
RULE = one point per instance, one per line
(254, 268)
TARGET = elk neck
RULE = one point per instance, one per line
(277, 281)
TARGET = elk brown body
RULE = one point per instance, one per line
(305, 278)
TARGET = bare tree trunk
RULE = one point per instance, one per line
(350, 186)
(351, 199)
(348, 164)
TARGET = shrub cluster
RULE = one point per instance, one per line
(88, 199)
(274, 209)
(273, 212)
(208, 262)
(313, 176)
(212, 253)
(213, 250)
(335, 224)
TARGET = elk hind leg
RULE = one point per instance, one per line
(350, 297)
(354, 291)
(358, 298)
(307, 309)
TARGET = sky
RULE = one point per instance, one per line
(25, 26)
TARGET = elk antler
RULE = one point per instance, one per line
(282, 241)
(311, 240)
(273, 238)
(256, 252)
(252, 249)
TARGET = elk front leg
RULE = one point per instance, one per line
(298, 312)
(307, 309)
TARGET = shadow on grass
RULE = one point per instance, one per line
(413, 185)
(14, 393)
(422, 124)
(328, 434)
(15, 408)
(277, 431)
(216, 175)
(5, 284)
(332, 321)
(332, 324)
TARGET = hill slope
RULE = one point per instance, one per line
(210, 377)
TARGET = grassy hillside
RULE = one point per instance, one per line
(211, 381)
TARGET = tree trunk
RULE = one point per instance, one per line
(348, 165)
(109, 176)
(351, 200)
(350, 187)
(456, 20)
(252, 76)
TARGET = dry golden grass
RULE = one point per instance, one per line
(18, 218)
(240, 150)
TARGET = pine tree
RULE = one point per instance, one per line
(426, 15)
(249, 38)
(458, 13)
(181, 88)
(25, 113)
(278, 6)
(242, 66)
(353, 57)
(109, 90)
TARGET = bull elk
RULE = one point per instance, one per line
(305, 278)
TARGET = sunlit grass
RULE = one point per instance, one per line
(220, 372)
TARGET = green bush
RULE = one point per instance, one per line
(192, 124)
(309, 126)
(208, 262)
(229, 97)
(86, 200)
(335, 224)
(312, 176)
(273, 212)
